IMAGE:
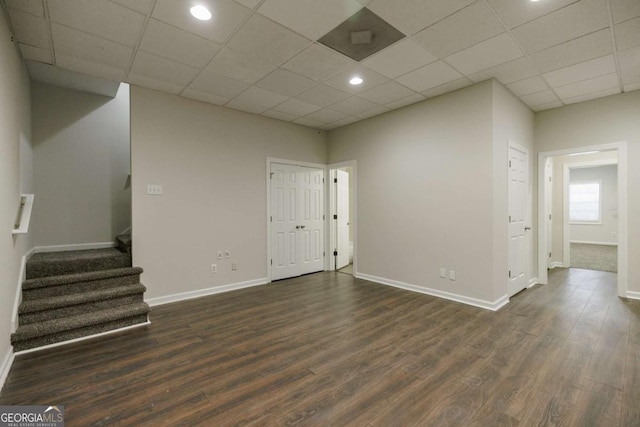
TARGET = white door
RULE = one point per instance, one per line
(297, 225)
(342, 221)
(518, 193)
(548, 206)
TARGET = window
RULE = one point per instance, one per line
(585, 202)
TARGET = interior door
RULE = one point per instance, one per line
(297, 222)
(548, 206)
(342, 193)
(518, 193)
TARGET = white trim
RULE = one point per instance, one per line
(556, 264)
(205, 292)
(74, 247)
(88, 337)
(18, 297)
(633, 295)
(586, 242)
(532, 282)
(5, 367)
(621, 148)
(487, 305)
(353, 176)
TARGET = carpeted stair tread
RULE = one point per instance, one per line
(51, 303)
(43, 282)
(56, 326)
(68, 262)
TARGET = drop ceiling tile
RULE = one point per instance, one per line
(100, 18)
(578, 19)
(309, 123)
(628, 34)
(539, 98)
(240, 66)
(268, 41)
(286, 83)
(411, 16)
(227, 16)
(447, 87)
(245, 106)
(326, 115)
(624, 9)
(429, 76)
(629, 61)
(583, 71)
(345, 121)
(489, 53)
(373, 112)
(387, 93)
(219, 85)
(89, 47)
(151, 83)
(585, 87)
(509, 72)
(527, 86)
(279, 115)
(401, 58)
(318, 62)
(295, 107)
(36, 53)
(261, 97)
(406, 101)
(30, 29)
(322, 95)
(514, 13)
(573, 52)
(353, 106)
(311, 18)
(249, 3)
(178, 45)
(163, 69)
(90, 68)
(32, 7)
(592, 95)
(341, 80)
(141, 6)
(463, 29)
(548, 106)
(204, 97)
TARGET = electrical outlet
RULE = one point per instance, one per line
(452, 275)
(214, 268)
(227, 253)
(219, 255)
(443, 273)
(234, 266)
(154, 189)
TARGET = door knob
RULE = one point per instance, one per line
(298, 227)
(527, 228)
(302, 226)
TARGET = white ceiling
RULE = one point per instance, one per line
(261, 56)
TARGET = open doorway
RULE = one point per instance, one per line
(342, 217)
(583, 205)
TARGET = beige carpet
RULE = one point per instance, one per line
(594, 257)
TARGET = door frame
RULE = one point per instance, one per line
(566, 170)
(289, 162)
(332, 226)
(527, 236)
(623, 272)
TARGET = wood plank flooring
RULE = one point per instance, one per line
(331, 350)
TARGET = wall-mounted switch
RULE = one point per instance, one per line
(154, 189)
(443, 273)
(452, 275)
(219, 254)
(234, 266)
(214, 268)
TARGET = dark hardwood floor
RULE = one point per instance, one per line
(330, 350)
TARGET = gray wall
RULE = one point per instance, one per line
(81, 163)
(211, 163)
(15, 178)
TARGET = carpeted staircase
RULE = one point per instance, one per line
(73, 294)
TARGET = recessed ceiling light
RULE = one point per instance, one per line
(200, 12)
(356, 80)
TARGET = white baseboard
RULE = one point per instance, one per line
(5, 366)
(204, 292)
(101, 334)
(583, 242)
(633, 295)
(487, 305)
(75, 247)
(557, 264)
(532, 282)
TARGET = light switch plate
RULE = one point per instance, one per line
(154, 189)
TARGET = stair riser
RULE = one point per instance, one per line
(47, 269)
(72, 288)
(41, 316)
(79, 333)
